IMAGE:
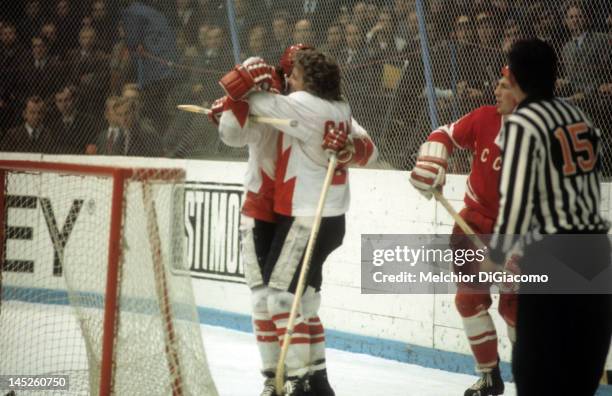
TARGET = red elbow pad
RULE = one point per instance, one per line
(240, 108)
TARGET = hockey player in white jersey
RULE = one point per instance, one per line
(258, 221)
(300, 170)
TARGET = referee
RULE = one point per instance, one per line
(550, 203)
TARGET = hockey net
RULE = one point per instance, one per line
(92, 282)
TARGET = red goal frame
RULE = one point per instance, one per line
(119, 175)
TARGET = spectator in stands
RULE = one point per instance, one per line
(29, 25)
(242, 20)
(371, 15)
(404, 25)
(467, 79)
(211, 59)
(546, 24)
(39, 74)
(88, 69)
(122, 67)
(302, 32)
(103, 24)
(361, 19)
(584, 57)
(199, 48)
(134, 137)
(602, 117)
(344, 17)
(208, 12)
(10, 48)
(355, 53)
(132, 92)
(210, 64)
(334, 41)
(464, 33)
(281, 35)
(439, 22)
(486, 31)
(382, 42)
(105, 140)
(48, 32)
(32, 136)
(320, 13)
(183, 14)
(361, 74)
(74, 129)
(480, 70)
(258, 38)
(67, 23)
(511, 35)
(11, 54)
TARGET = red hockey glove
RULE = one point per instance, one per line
(429, 172)
(334, 140)
(260, 71)
(253, 73)
(237, 83)
(216, 110)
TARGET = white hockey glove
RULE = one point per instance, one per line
(429, 172)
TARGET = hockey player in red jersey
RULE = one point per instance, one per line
(477, 132)
(258, 233)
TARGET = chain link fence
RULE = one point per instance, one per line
(77, 75)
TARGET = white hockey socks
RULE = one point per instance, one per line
(279, 306)
(311, 301)
(265, 331)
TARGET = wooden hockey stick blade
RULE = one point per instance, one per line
(193, 109)
(301, 284)
(262, 120)
(486, 265)
(459, 220)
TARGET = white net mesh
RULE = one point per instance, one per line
(54, 283)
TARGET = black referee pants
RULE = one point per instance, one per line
(562, 340)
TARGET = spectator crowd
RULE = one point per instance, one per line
(105, 76)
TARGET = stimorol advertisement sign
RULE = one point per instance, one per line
(212, 219)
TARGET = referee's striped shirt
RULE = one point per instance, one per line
(550, 181)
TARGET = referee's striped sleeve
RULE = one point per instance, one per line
(516, 188)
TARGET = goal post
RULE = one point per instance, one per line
(87, 287)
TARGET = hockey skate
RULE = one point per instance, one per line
(295, 386)
(269, 387)
(489, 384)
(318, 384)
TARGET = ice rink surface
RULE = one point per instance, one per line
(234, 363)
(233, 359)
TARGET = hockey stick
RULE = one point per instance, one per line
(459, 220)
(262, 120)
(280, 367)
(486, 265)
